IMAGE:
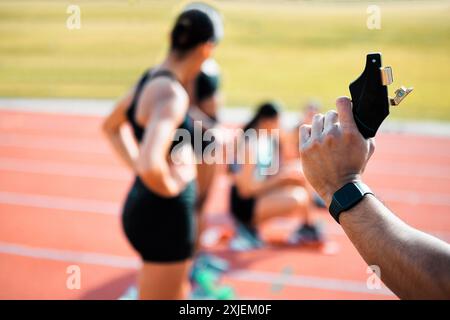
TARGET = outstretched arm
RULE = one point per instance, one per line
(413, 264)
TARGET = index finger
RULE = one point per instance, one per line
(305, 133)
(345, 114)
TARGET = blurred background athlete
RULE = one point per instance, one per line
(257, 197)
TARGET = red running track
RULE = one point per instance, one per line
(61, 190)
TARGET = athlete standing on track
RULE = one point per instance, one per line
(158, 216)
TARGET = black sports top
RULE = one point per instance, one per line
(138, 130)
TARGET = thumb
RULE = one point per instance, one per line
(344, 108)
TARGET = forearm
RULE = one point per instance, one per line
(412, 264)
(160, 174)
(159, 178)
(123, 147)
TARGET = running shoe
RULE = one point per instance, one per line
(307, 234)
(246, 238)
(206, 287)
(130, 294)
(318, 201)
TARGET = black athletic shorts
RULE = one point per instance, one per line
(242, 208)
(160, 229)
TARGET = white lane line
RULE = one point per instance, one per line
(55, 143)
(60, 203)
(69, 256)
(332, 229)
(50, 141)
(412, 197)
(304, 281)
(133, 263)
(114, 207)
(408, 170)
(285, 224)
(88, 107)
(27, 124)
(229, 114)
(99, 146)
(65, 169)
(115, 172)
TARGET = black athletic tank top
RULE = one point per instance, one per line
(138, 130)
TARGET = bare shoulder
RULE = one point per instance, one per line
(166, 93)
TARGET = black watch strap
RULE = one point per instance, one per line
(347, 197)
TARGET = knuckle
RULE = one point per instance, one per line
(317, 117)
(304, 127)
(329, 139)
(305, 155)
(315, 144)
(350, 134)
(332, 114)
(334, 129)
(303, 147)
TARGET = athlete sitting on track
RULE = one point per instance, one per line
(258, 196)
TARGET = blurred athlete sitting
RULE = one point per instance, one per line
(257, 196)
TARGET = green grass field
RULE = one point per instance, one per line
(288, 50)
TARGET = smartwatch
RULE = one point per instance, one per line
(347, 197)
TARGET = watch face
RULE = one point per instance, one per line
(348, 194)
(347, 197)
(351, 194)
